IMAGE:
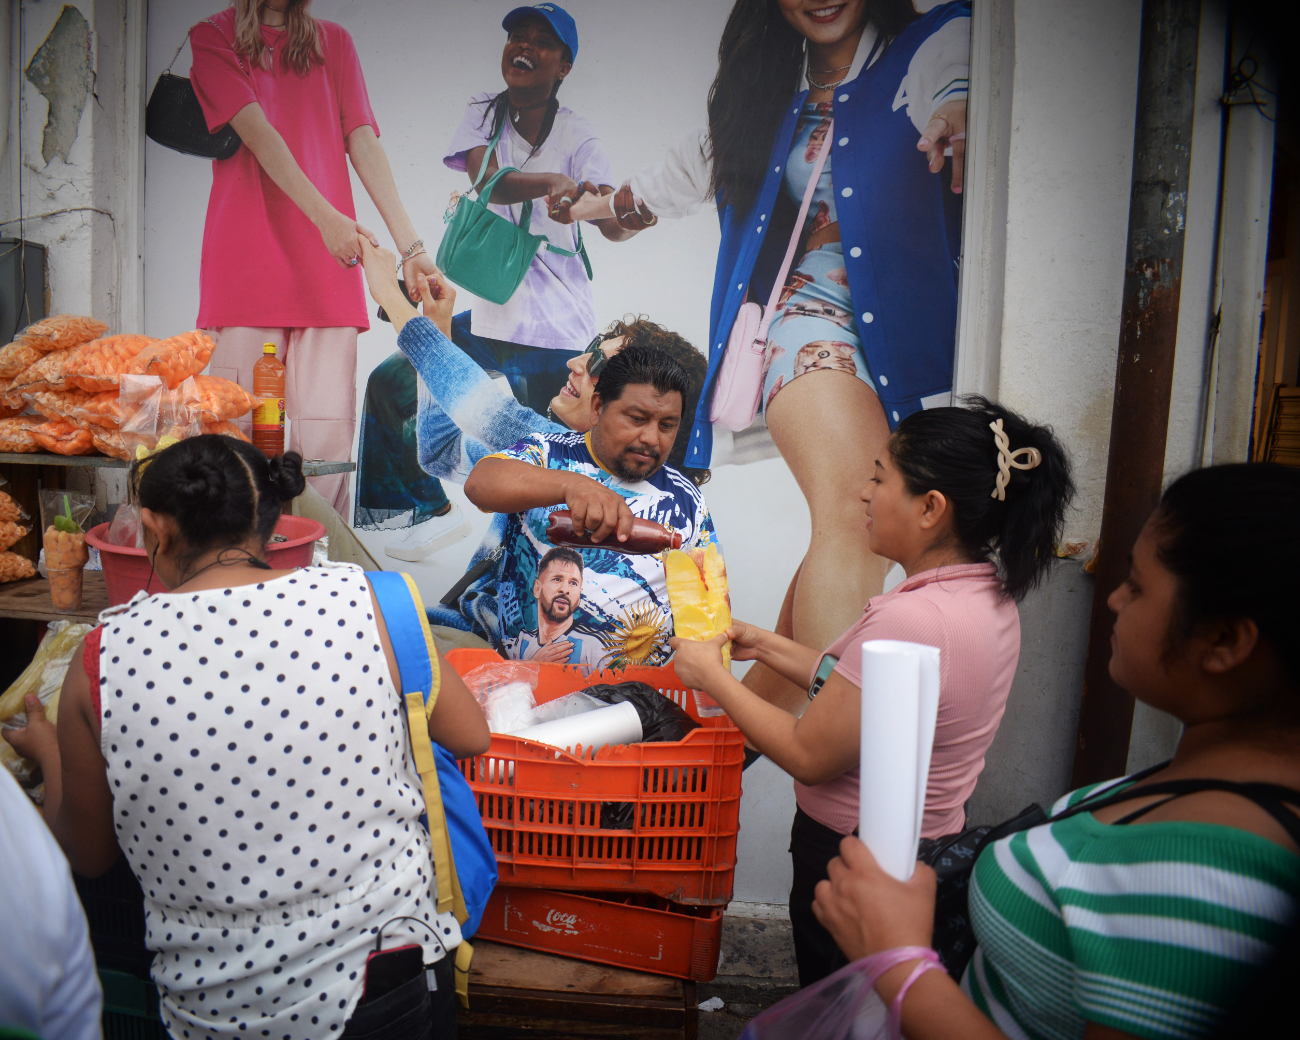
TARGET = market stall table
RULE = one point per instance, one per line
(516, 994)
(29, 600)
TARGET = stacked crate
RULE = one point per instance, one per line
(620, 855)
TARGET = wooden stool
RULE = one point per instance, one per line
(516, 994)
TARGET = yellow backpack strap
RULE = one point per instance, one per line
(418, 710)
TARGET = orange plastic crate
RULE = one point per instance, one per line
(641, 932)
(542, 808)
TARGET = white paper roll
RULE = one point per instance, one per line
(617, 724)
(900, 702)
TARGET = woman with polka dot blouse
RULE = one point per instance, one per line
(241, 739)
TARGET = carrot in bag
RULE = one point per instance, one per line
(98, 365)
(63, 438)
(173, 360)
(62, 331)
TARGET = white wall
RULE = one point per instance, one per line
(641, 78)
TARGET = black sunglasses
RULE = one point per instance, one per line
(598, 360)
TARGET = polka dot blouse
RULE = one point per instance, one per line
(265, 797)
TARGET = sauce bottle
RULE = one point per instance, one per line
(646, 538)
(268, 417)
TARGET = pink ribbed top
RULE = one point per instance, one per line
(963, 611)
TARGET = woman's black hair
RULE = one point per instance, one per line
(220, 491)
(498, 109)
(953, 451)
(1231, 537)
(759, 61)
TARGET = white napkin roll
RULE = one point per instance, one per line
(617, 724)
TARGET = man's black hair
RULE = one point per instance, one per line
(560, 552)
(635, 365)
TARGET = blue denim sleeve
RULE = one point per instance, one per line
(465, 392)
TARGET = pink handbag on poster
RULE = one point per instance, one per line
(739, 383)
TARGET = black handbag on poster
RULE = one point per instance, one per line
(174, 118)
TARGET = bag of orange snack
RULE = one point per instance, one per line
(59, 405)
(16, 356)
(49, 372)
(102, 409)
(173, 360)
(13, 567)
(10, 532)
(16, 434)
(220, 399)
(63, 438)
(61, 332)
(8, 411)
(226, 429)
(108, 441)
(96, 366)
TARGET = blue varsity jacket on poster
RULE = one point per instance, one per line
(899, 225)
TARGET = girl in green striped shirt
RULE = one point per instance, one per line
(1147, 918)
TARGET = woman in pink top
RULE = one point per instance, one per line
(280, 242)
(956, 489)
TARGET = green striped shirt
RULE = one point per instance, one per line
(1152, 928)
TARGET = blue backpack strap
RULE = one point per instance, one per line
(405, 632)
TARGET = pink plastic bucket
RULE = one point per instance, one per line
(127, 570)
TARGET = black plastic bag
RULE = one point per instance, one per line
(662, 721)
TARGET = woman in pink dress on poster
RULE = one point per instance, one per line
(280, 240)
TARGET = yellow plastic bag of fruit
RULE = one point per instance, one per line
(698, 594)
(98, 365)
(62, 332)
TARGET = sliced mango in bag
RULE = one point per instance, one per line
(698, 594)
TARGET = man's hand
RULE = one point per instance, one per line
(867, 910)
(698, 662)
(557, 651)
(439, 300)
(38, 740)
(597, 510)
(947, 127)
(340, 236)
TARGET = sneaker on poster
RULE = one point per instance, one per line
(425, 539)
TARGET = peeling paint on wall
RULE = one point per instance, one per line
(61, 71)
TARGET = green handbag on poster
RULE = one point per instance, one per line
(487, 253)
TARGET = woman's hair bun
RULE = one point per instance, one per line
(200, 485)
(287, 480)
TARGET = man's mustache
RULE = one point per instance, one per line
(651, 456)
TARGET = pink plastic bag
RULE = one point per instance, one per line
(843, 1006)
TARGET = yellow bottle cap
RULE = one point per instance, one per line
(268, 348)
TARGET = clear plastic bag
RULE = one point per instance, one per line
(44, 678)
(504, 690)
(842, 1006)
(9, 509)
(125, 529)
(149, 412)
